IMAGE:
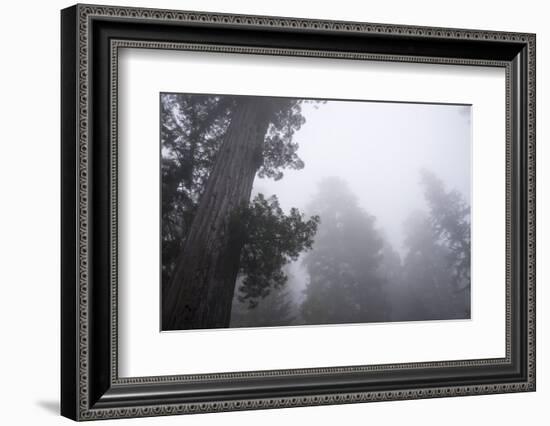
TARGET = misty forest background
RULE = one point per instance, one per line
(254, 236)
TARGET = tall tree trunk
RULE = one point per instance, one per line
(203, 282)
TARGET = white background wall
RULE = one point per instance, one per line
(29, 212)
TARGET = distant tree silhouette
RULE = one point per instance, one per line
(450, 219)
(436, 269)
(345, 280)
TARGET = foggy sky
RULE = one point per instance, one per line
(378, 148)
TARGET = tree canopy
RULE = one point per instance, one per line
(436, 268)
(193, 128)
(272, 240)
(213, 147)
(344, 265)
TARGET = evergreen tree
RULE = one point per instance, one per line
(425, 290)
(436, 268)
(212, 149)
(191, 131)
(450, 219)
(271, 241)
(275, 309)
(345, 280)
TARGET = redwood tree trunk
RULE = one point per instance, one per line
(203, 282)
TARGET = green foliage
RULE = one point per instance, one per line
(280, 151)
(271, 240)
(192, 129)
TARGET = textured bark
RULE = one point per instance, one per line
(203, 282)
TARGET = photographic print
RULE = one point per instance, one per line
(280, 211)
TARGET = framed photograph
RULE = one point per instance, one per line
(263, 212)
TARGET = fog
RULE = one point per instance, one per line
(284, 211)
(378, 149)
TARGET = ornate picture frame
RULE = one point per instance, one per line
(91, 38)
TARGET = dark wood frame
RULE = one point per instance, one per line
(90, 386)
